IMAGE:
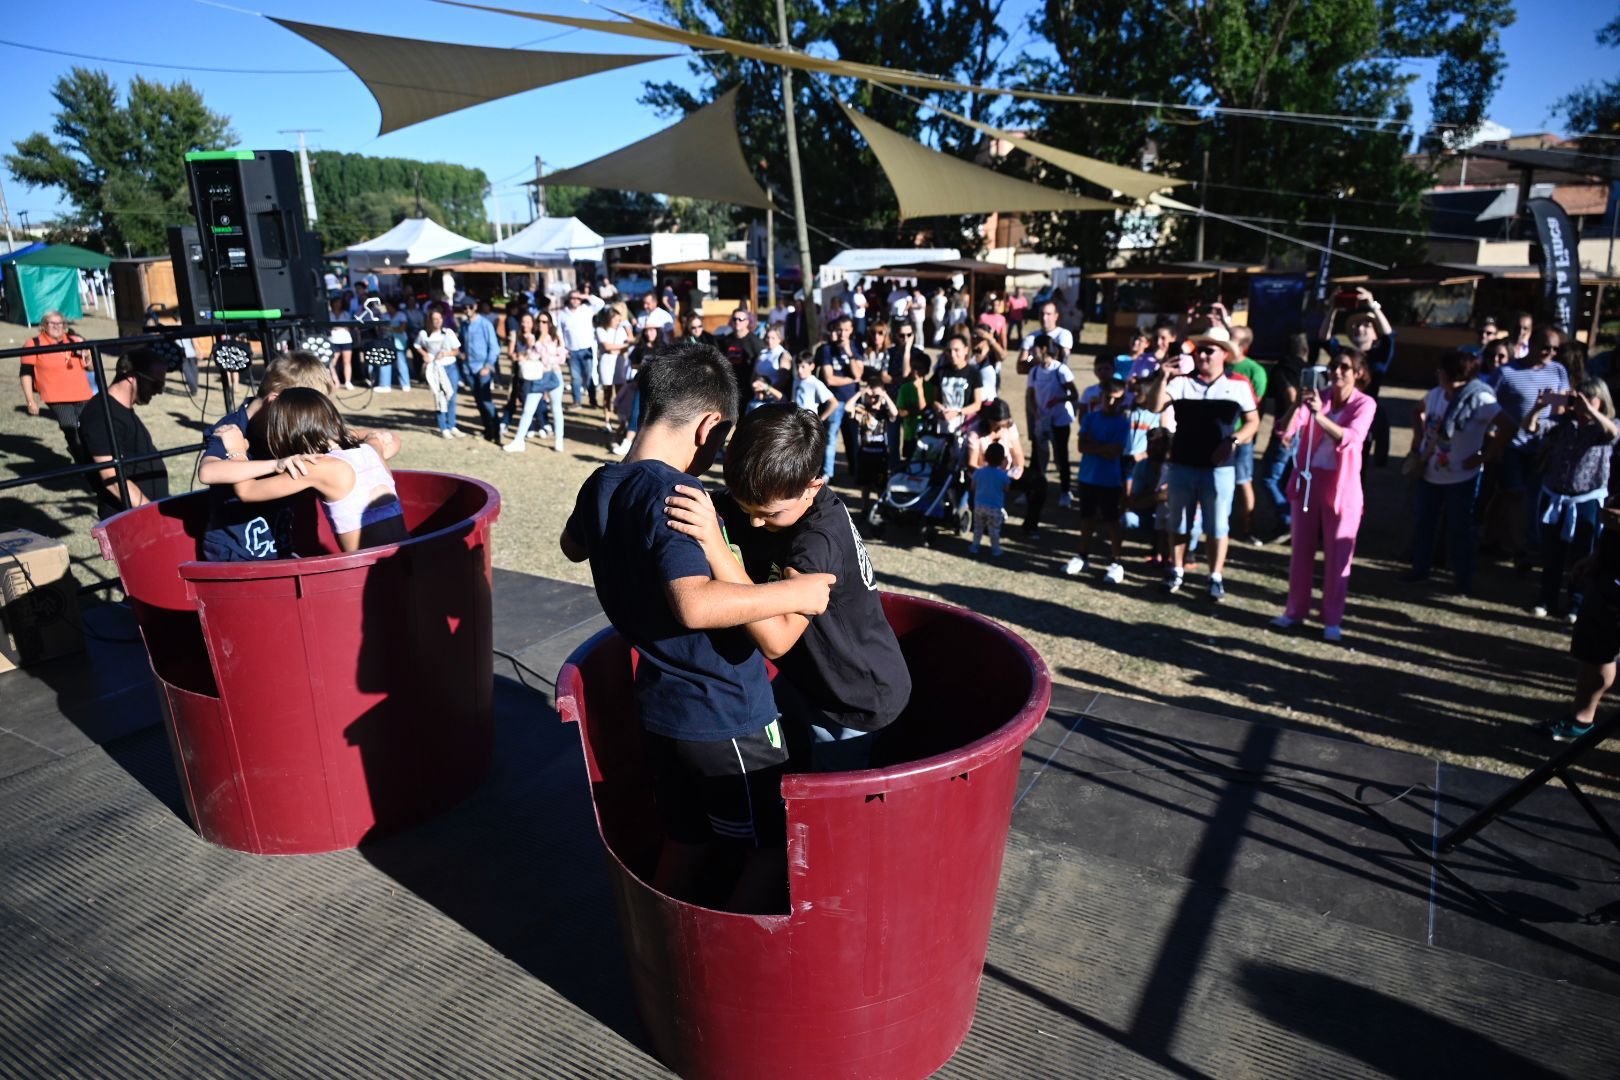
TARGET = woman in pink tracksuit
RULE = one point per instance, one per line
(1325, 491)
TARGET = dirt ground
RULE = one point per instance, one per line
(1419, 669)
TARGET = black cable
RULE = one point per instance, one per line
(520, 667)
(1265, 778)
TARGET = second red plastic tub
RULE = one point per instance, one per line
(875, 969)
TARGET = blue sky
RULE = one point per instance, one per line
(1550, 50)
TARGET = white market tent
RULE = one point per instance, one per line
(413, 242)
(546, 241)
(851, 264)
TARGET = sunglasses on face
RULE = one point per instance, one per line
(1205, 350)
(1343, 366)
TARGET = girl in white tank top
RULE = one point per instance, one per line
(304, 429)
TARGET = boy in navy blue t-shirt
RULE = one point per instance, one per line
(701, 686)
(1104, 433)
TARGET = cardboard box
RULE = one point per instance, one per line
(39, 600)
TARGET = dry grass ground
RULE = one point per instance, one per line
(1420, 670)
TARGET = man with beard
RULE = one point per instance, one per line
(139, 379)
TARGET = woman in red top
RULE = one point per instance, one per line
(58, 380)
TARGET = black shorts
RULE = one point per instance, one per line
(1099, 501)
(727, 790)
(1596, 639)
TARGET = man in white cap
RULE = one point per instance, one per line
(1215, 414)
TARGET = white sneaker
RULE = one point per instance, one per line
(1283, 622)
(621, 448)
(1331, 633)
(515, 447)
(1076, 565)
(383, 390)
(348, 386)
(457, 433)
(445, 434)
(1115, 574)
(503, 433)
(1539, 612)
(545, 431)
(1065, 500)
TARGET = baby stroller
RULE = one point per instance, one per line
(930, 487)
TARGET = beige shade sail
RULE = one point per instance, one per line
(929, 183)
(1133, 183)
(699, 157)
(415, 80)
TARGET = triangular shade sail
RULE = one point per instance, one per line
(415, 80)
(412, 242)
(698, 157)
(1130, 182)
(928, 183)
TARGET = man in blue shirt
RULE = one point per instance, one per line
(1519, 385)
(701, 686)
(481, 352)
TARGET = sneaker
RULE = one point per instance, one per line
(1251, 540)
(1173, 583)
(973, 549)
(545, 431)
(457, 433)
(1115, 574)
(1565, 729)
(515, 447)
(1076, 565)
(348, 386)
(502, 436)
(1217, 589)
(383, 390)
(1284, 622)
(1064, 500)
(1332, 633)
(1571, 617)
(1539, 612)
(621, 448)
(443, 434)
(996, 552)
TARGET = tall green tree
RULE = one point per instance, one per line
(843, 185)
(357, 196)
(1594, 109)
(1328, 57)
(120, 164)
(611, 213)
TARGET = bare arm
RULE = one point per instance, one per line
(703, 603)
(692, 512)
(132, 497)
(28, 393)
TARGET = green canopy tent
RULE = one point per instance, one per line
(47, 279)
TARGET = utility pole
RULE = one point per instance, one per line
(1203, 201)
(770, 259)
(5, 216)
(303, 168)
(539, 191)
(801, 225)
(416, 182)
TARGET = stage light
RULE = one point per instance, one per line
(233, 355)
(377, 353)
(173, 355)
(319, 344)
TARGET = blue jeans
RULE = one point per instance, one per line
(399, 371)
(834, 423)
(1209, 490)
(1456, 502)
(483, 388)
(1521, 478)
(444, 375)
(582, 369)
(1274, 469)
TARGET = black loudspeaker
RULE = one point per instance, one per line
(261, 261)
(192, 302)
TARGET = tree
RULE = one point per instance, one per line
(611, 213)
(121, 166)
(954, 38)
(358, 197)
(1594, 109)
(1329, 57)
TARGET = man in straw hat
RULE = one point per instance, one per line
(1215, 414)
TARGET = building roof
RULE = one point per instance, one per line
(1552, 165)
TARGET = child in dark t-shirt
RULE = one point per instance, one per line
(701, 686)
(841, 676)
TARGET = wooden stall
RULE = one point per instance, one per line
(731, 285)
(1140, 296)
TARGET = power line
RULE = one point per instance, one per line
(176, 67)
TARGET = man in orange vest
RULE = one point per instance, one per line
(58, 379)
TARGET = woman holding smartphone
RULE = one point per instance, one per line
(1576, 450)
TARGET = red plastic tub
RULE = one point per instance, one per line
(874, 972)
(314, 702)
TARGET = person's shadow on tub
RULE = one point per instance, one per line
(483, 810)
